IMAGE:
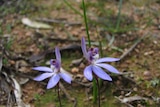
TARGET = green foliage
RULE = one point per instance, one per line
(37, 97)
(155, 82)
(17, 6)
(86, 22)
(8, 44)
(106, 18)
(5, 61)
(48, 97)
(72, 7)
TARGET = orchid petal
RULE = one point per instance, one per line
(83, 46)
(42, 68)
(58, 55)
(43, 76)
(108, 67)
(88, 73)
(108, 59)
(96, 50)
(53, 81)
(66, 77)
(64, 71)
(101, 74)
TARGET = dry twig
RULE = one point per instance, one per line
(132, 47)
(58, 21)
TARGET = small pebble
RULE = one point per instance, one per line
(40, 91)
(147, 75)
(139, 105)
(75, 70)
(82, 66)
(135, 89)
(84, 80)
(122, 93)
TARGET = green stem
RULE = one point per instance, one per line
(94, 91)
(98, 90)
(100, 47)
(89, 42)
(86, 23)
(119, 15)
(101, 55)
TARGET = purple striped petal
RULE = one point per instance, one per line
(88, 73)
(66, 77)
(53, 81)
(43, 76)
(58, 55)
(42, 68)
(83, 46)
(108, 67)
(108, 59)
(101, 74)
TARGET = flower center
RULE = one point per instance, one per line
(55, 65)
(93, 54)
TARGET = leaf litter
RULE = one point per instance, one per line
(32, 49)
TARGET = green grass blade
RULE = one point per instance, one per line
(70, 6)
(119, 15)
(86, 23)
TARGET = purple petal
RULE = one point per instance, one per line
(88, 73)
(96, 50)
(83, 46)
(108, 67)
(41, 68)
(43, 76)
(66, 77)
(58, 55)
(101, 74)
(108, 59)
(53, 81)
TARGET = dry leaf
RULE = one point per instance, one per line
(35, 24)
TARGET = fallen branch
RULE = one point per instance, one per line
(62, 40)
(132, 47)
(18, 94)
(127, 100)
(57, 21)
(129, 105)
(72, 47)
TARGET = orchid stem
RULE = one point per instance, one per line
(94, 91)
(60, 104)
(98, 89)
(89, 42)
(100, 46)
(101, 54)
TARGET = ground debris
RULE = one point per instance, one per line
(67, 48)
(35, 24)
(18, 94)
(58, 21)
(132, 47)
(129, 100)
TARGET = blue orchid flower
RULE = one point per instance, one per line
(55, 72)
(96, 64)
